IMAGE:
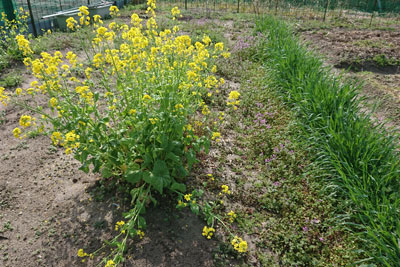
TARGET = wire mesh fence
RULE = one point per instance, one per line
(370, 6)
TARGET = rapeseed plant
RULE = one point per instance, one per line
(126, 109)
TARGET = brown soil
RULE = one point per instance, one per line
(358, 49)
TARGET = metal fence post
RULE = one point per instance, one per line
(32, 18)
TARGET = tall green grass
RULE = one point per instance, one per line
(360, 157)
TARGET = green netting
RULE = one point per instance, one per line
(7, 6)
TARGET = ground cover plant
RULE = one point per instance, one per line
(362, 156)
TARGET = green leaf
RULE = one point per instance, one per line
(171, 156)
(141, 222)
(195, 209)
(155, 181)
(179, 187)
(160, 169)
(134, 177)
(84, 167)
(106, 172)
(191, 158)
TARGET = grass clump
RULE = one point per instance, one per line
(360, 156)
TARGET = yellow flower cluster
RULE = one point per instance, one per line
(239, 244)
(84, 18)
(119, 225)
(81, 253)
(70, 141)
(23, 45)
(233, 99)
(71, 23)
(17, 132)
(114, 11)
(25, 121)
(225, 190)
(56, 137)
(232, 216)
(175, 12)
(110, 263)
(216, 136)
(4, 98)
(187, 197)
(140, 234)
(151, 5)
(208, 232)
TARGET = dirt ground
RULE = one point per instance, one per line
(370, 56)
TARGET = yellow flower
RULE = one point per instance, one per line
(84, 10)
(225, 189)
(114, 11)
(219, 46)
(119, 225)
(56, 137)
(216, 136)
(175, 11)
(187, 197)
(153, 120)
(178, 106)
(71, 136)
(101, 31)
(96, 18)
(53, 102)
(206, 40)
(3, 96)
(23, 44)
(25, 121)
(81, 253)
(234, 95)
(146, 97)
(71, 22)
(208, 232)
(232, 216)
(18, 91)
(110, 263)
(239, 244)
(17, 132)
(140, 234)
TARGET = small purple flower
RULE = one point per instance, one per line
(268, 126)
(315, 221)
(291, 152)
(321, 239)
(305, 229)
(276, 184)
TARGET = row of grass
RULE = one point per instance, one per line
(360, 157)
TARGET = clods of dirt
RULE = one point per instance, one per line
(359, 50)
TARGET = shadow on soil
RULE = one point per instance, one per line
(172, 237)
(370, 67)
